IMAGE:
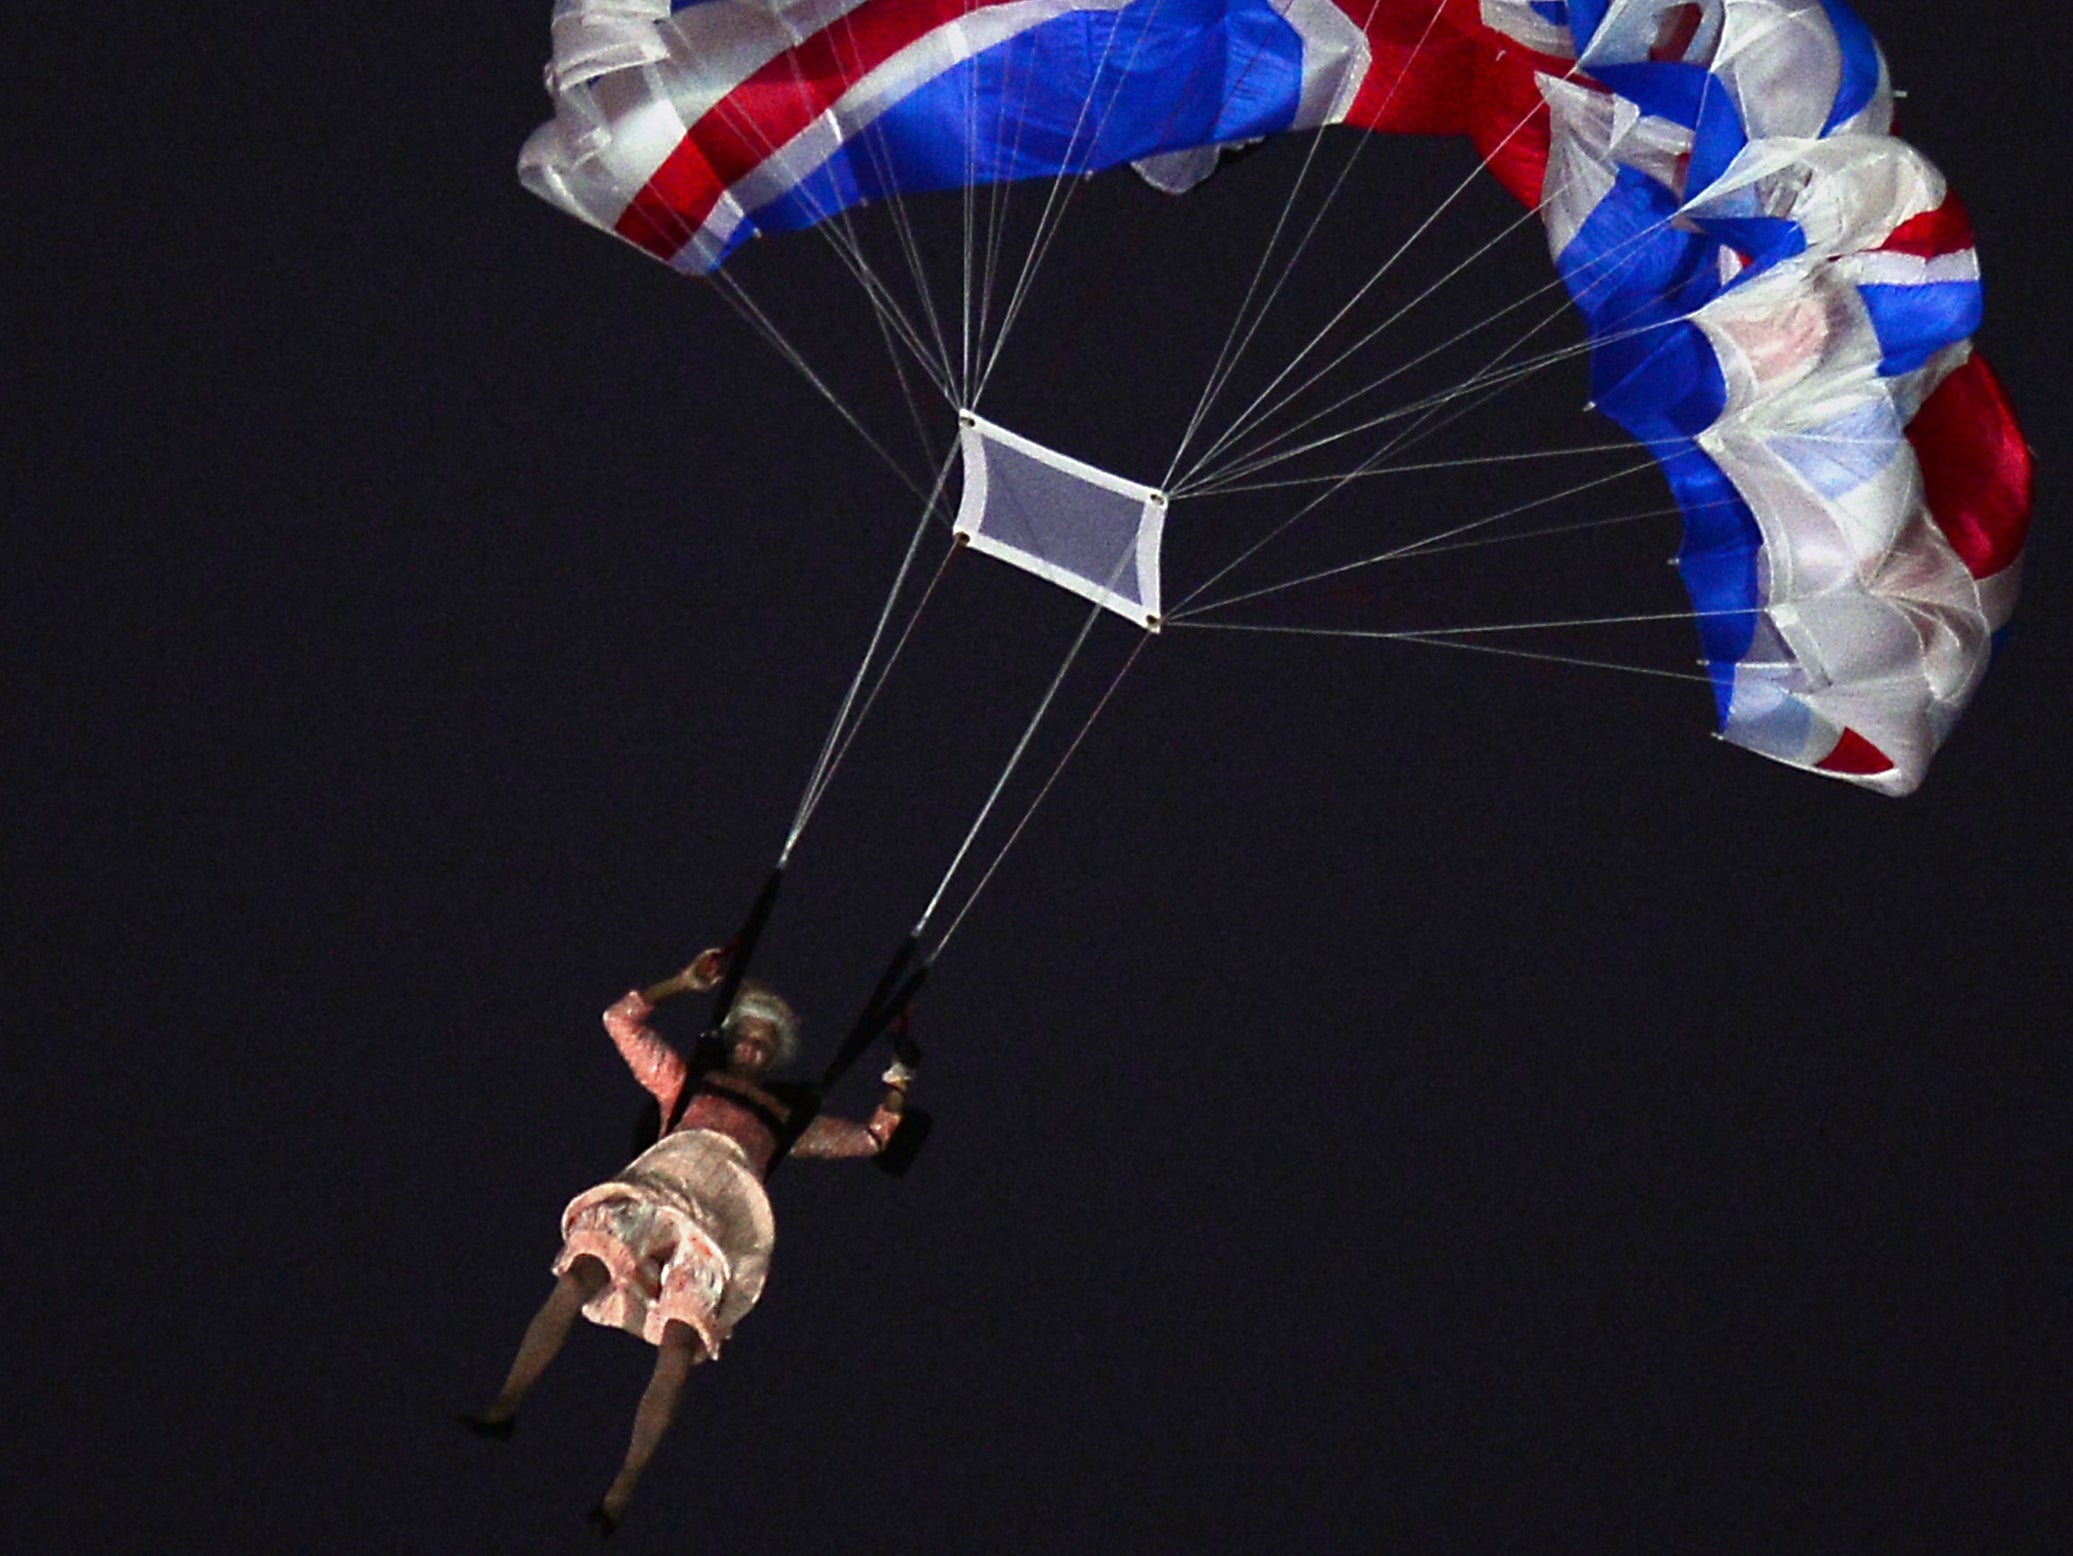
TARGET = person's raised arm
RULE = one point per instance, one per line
(701, 976)
(658, 1067)
(828, 1138)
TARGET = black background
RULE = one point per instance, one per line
(1391, 1098)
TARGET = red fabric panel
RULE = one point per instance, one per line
(1945, 230)
(1448, 74)
(1421, 76)
(1511, 121)
(765, 112)
(1855, 757)
(1976, 468)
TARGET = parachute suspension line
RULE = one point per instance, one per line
(873, 138)
(891, 342)
(1365, 287)
(1201, 474)
(737, 298)
(1482, 379)
(1048, 222)
(1339, 483)
(1494, 371)
(1233, 348)
(838, 232)
(1494, 378)
(1467, 462)
(981, 271)
(1433, 546)
(887, 335)
(1014, 760)
(999, 196)
(1434, 641)
(921, 431)
(885, 671)
(1054, 214)
(1241, 464)
(1478, 382)
(1070, 752)
(1051, 221)
(816, 784)
(884, 307)
(1228, 353)
(1183, 611)
(1501, 381)
(969, 199)
(1482, 542)
(838, 229)
(1414, 634)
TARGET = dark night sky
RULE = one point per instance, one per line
(1391, 1099)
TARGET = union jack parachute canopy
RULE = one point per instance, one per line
(1780, 293)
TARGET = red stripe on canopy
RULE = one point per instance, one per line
(1976, 468)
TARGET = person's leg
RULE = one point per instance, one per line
(577, 1284)
(680, 1351)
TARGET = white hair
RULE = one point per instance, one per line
(765, 1004)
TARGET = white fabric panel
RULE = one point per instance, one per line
(1847, 192)
(592, 37)
(1176, 172)
(1335, 59)
(1654, 146)
(607, 138)
(1517, 20)
(1632, 29)
(721, 44)
(1876, 116)
(1776, 330)
(1782, 63)
(1083, 528)
(1581, 169)
(1997, 595)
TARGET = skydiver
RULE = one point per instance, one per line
(676, 1247)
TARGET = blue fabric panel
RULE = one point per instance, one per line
(1628, 266)
(1717, 138)
(1634, 278)
(1585, 18)
(1664, 89)
(1086, 91)
(1554, 12)
(1718, 564)
(1767, 240)
(1913, 323)
(1860, 63)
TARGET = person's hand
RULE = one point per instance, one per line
(705, 970)
(885, 1119)
(702, 974)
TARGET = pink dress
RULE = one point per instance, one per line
(685, 1230)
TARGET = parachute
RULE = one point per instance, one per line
(1779, 294)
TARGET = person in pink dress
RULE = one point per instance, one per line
(676, 1247)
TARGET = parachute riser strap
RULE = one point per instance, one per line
(897, 986)
(895, 990)
(741, 951)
